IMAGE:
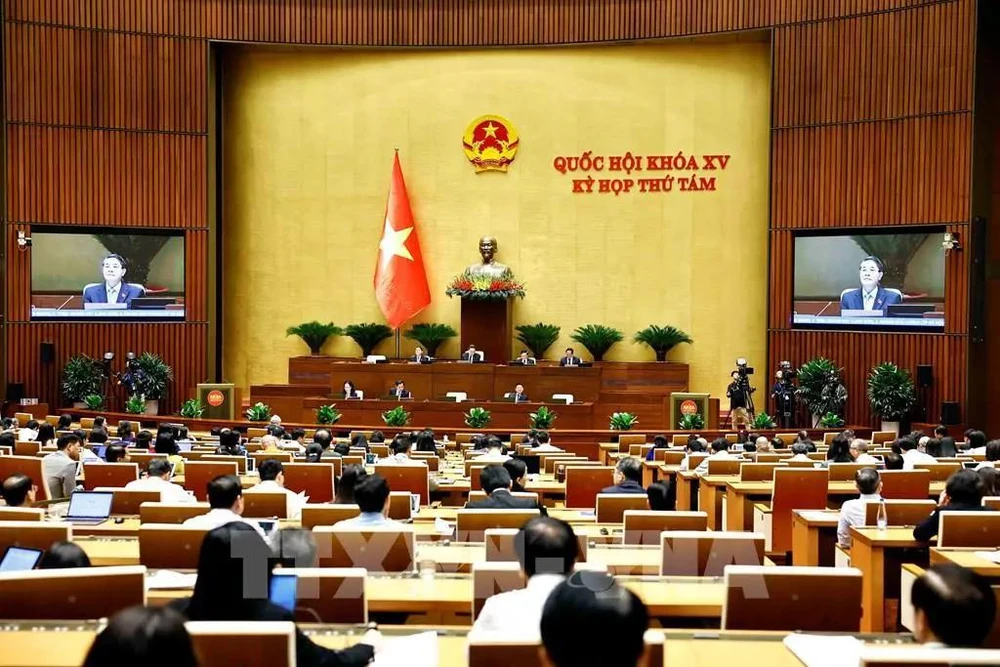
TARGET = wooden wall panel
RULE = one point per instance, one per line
(98, 177)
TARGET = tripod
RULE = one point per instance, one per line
(784, 401)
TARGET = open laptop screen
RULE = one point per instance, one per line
(90, 505)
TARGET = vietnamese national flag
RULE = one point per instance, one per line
(400, 280)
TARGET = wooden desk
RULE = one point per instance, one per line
(814, 537)
(687, 490)
(870, 553)
(711, 491)
(967, 558)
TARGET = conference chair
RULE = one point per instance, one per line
(549, 463)
(809, 599)
(33, 534)
(351, 460)
(127, 502)
(645, 526)
(27, 448)
(844, 472)
(240, 460)
(197, 475)
(464, 438)
(940, 472)
(794, 489)
(817, 456)
(22, 514)
(679, 440)
(172, 513)
(882, 437)
(327, 515)
(265, 505)
(381, 451)
(316, 480)
(583, 485)
(256, 644)
(488, 650)
(500, 544)
(670, 457)
(639, 451)
(625, 440)
(71, 593)
(906, 484)
(969, 529)
(481, 495)
(900, 512)
(400, 508)
(169, 547)
(376, 549)
(115, 475)
(471, 524)
(829, 436)
(432, 461)
(772, 457)
(611, 506)
(695, 459)
(86, 423)
(256, 432)
(686, 553)
(724, 466)
(142, 459)
(757, 472)
(491, 578)
(409, 478)
(562, 466)
(329, 595)
(260, 457)
(6, 451)
(52, 419)
(787, 439)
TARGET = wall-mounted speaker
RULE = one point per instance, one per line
(950, 414)
(925, 375)
(15, 392)
(47, 352)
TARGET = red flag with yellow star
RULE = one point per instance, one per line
(400, 280)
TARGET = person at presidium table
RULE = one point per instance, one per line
(871, 296)
(112, 290)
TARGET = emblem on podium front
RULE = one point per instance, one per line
(490, 143)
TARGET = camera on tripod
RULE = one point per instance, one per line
(742, 368)
(787, 372)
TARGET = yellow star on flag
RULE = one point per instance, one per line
(394, 243)
(491, 130)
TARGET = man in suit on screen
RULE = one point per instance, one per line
(113, 289)
(871, 296)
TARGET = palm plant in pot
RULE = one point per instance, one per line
(537, 337)
(368, 335)
(151, 380)
(891, 394)
(136, 405)
(430, 335)
(93, 402)
(314, 334)
(661, 339)
(82, 376)
(597, 338)
(821, 388)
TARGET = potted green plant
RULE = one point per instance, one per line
(135, 404)
(430, 335)
(597, 338)
(192, 409)
(541, 419)
(152, 380)
(328, 414)
(81, 377)
(831, 420)
(661, 339)
(477, 417)
(537, 337)
(762, 420)
(396, 417)
(692, 422)
(821, 388)
(314, 334)
(258, 412)
(368, 335)
(623, 421)
(891, 394)
(93, 402)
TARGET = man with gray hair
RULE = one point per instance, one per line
(295, 547)
(859, 450)
(627, 477)
(852, 512)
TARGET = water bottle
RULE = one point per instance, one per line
(883, 518)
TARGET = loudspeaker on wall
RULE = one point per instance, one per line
(925, 375)
(950, 413)
(47, 352)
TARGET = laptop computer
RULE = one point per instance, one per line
(89, 508)
(18, 559)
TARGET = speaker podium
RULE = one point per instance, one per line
(488, 324)
(220, 401)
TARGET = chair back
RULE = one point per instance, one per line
(789, 599)
(724, 466)
(169, 547)
(639, 450)
(611, 506)
(900, 512)
(316, 480)
(27, 448)
(771, 457)
(795, 489)
(256, 432)
(906, 484)
(552, 462)
(430, 459)
(265, 505)
(707, 553)
(376, 549)
(562, 466)
(86, 423)
(464, 438)
(500, 544)
(33, 534)
(127, 501)
(381, 451)
(670, 457)
(197, 475)
(645, 526)
(115, 475)
(940, 472)
(695, 459)
(22, 514)
(367, 434)
(142, 459)
(239, 459)
(583, 485)
(787, 439)
(71, 593)
(409, 478)
(170, 513)
(327, 515)
(26, 465)
(481, 495)
(330, 595)
(757, 472)
(399, 506)
(624, 441)
(491, 578)
(52, 419)
(351, 460)
(257, 644)
(969, 529)
(882, 437)
(844, 472)
(260, 457)
(472, 524)
(829, 436)
(488, 650)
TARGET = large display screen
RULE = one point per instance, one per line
(112, 276)
(892, 280)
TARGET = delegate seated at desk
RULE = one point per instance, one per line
(523, 360)
(350, 391)
(473, 355)
(112, 289)
(871, 296)
(400, 391)
(518, 395)
(570, 358)
(420, 358)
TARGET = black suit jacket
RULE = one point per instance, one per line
(422, 360)
(522, 362)
(501, 499)
(405, 393)
(353, 394)
(519, 398)
(928, 528)
(474, 358)
(628, 486)
(565, 361)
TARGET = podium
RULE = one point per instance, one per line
(220, 401)
(488, 324)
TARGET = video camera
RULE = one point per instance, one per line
(742, 368)
(787, 372)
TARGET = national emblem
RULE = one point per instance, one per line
(490, 143)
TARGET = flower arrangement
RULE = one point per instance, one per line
(469, 286)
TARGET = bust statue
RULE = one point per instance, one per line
(488, 247)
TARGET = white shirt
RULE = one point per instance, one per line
(112, 292)
(293, 501)
(916, 456)
(169, 492)
(864, 457)
(852, 513)
(365, 519)
(404, 460)
(986, 464)
(495, 457)
(517, 614)
(220, 517)
(869, 298)
(27, 435)
(544, 448)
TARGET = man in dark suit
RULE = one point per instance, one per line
(963, 492)
(570, 359)
(627, 477)
(471, 354)
(519, 396)
(400, 391)
(523, 360)
(113, 289)
(496, 483)
(871, 295)
(419, 357)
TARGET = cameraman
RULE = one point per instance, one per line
(735, 393)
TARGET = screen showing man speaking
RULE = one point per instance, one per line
(884, 280)
(77, 275)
